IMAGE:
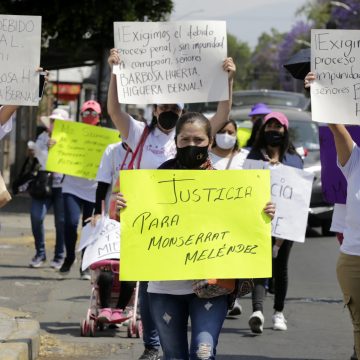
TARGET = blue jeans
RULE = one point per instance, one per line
(150, 334)
(39, 209)
(171, 314)
(73, 206)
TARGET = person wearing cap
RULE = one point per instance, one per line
(257, 114)
(40, 206)
(79, 197)
(274, 146)
(159, 146)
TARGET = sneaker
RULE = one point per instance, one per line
(236, 309)
(65, 267)
(116, 315)
(37, 261)
(56, 263)
(85, 275)
(150, 354)
(104, 315)
(279, 321)
(256, 322)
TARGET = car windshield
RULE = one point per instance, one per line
(304, 133)
(270, 98)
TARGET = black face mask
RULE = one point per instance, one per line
(167, 119)
(274, 138)
(192, 156)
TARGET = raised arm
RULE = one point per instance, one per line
(120, 118)
(343, 140)
(5, 113)
(224, 107)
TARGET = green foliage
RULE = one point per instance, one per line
(79, 31)
(241, 54)
(318, 12)
(265, 60)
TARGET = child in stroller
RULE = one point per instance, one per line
(111, 301)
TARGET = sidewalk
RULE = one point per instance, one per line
(19, 334)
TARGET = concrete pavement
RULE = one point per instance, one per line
(19, 333)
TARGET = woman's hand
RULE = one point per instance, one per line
(309, 78)
(229, 66)
(269, 209)
(120, 201)
(51, 143)
(114, 58)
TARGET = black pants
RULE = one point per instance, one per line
(280, 280)
(105, 283)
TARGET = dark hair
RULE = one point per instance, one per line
(255, 129)
(190, 118)
(230, 121)
(286, 147)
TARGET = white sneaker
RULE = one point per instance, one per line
(256, 322)
(279, 321)
(236, 309)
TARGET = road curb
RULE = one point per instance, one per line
(19, 335)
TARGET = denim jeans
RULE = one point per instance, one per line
(150, 333)
(39, 209)
(171, 314)
(73, 206)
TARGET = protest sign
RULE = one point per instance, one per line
(195, 224)
(333, 182)
(20, 44)
(79, 148)
(335, 58)
(171, 62)
(100, 245)
(291, 193)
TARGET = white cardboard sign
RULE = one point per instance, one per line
(101, 242)
(20, 44)
(291, 193)
(335, 58)
(171, 62)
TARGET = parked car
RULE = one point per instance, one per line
(304, 134)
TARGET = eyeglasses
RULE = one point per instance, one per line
(89, 112)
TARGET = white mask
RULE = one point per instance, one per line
(225, 141)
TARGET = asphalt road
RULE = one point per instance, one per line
(319, 327)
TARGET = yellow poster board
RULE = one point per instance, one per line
(79, 148)
(195, 224)
(243, 135)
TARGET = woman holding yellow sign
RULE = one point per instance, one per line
(173, 302)
(157, 145)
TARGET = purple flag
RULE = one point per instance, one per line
(333, 182)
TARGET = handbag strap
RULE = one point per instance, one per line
(139, 149)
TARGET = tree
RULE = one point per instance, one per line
(265, 60)
(75, 33)
(241, 54)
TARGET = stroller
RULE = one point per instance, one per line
(130, 315)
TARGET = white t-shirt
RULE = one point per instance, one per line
(237, 162)
(351, 171)
(6, 128)
(110, 165)
(41, 153)
(82, 188)
(338, 218)
(158, 148)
